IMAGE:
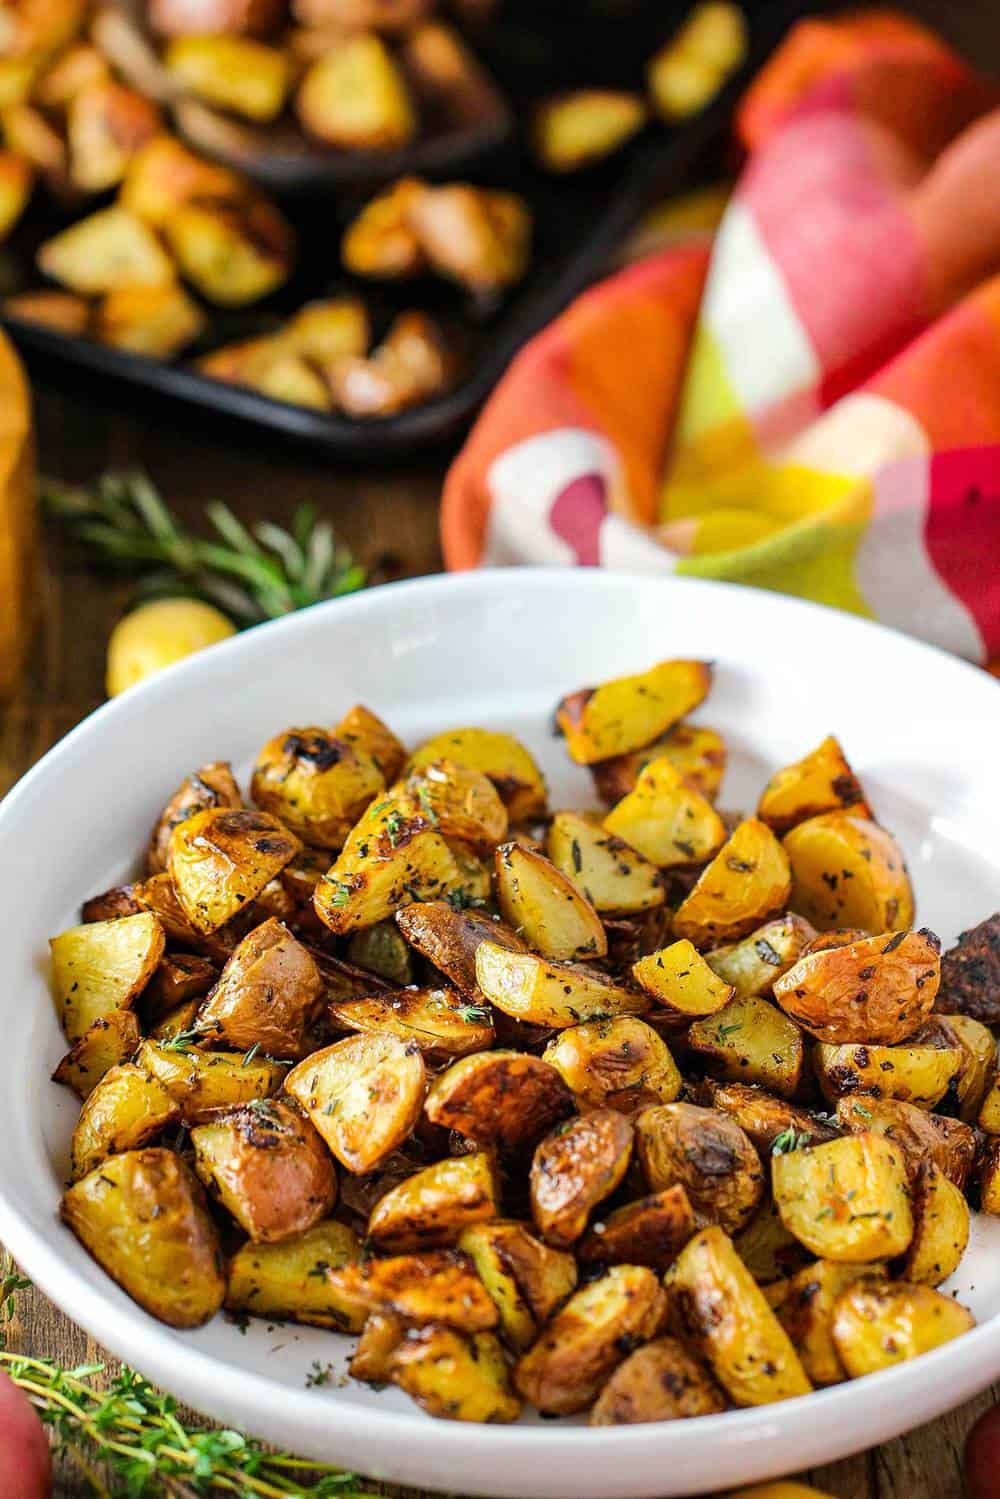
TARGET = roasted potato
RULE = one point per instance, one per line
(176, 1022)
(575, 130)
(849, 872)
(142, 1216)
(498, 1098)
(60, 310)
(549, 993)
(68, 74)
(203, 1081)
(110, 1040)
(381, 241)
(449, 938)
(877, 1324)
(689, 71)
(723, 1312)
(211, 786)
(650, 1231)
(323, 330)
(747, 881)
(847, 1200)
(266, 995)
(233, 72)
(108, 249)
(666, 820)
(661, 1382)
(970, 973)
(355, 97)
(317, 784)
(917, 1074)
(680, 1144)
(500, 757)
(769, 1251)
(120, 900)
(821, 782)
(381, 949)
(181, 976)
(806, 1314)
(17, 180)
(158, 321)
(979, 1048)
(233, 251)
(30, 135)
(919, 1134)
(877, 990)
(441, 1023)
(106, 123)
(528, 1280)
(613, 877)
(940, 1228)
(158, 895)
(681, 982)
(164, 175)
(698, 753)
(227, 17)
(545, 907)
(457, 1376)
(988, 1176)
(439, 1285)
(380, 1337)
(271, 367)
(630, 712)
(585, 1342)
(620, 1064)
(576, 1166)
(763, 1117)
(477, 237)
(124, 1111)
(412, 363)
(447, 75)
(221, 858)
(753, 964)
(103, 966)
(461, 802)
(751, 1041)
(364, 1095)
(430, 1209)
(289, 1281)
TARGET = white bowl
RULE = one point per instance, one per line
(497, 649)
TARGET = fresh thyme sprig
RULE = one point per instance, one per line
(125, 524)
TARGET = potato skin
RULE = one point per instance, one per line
(620, 1064)
(659, 1382)
(822, 781)
(364, 1095)
(849, 872)
(500, 757)
(575, 1167)
(748, 880)
(109, 1041)
(806, 1314)
(875, 991)
(528, 1280)
(437, 1286)
(650, 1231)
(449, 939)
(762, 1116)
(630, 712)
(877, 1324)
(430, 1209)
(210, 786)
(941, 1229)
(847, 1200)
(126, 1110)
(266, 994)
(917, 1074)
(438, 1020)
(545, 992)
(143, 1217)
(316, 783)
(221, 858)
(501, 1098)
(919, 1134)
(753, 964)
(708, 1154)
(455, 1376)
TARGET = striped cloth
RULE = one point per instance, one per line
(809, 402)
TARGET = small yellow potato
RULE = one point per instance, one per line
(267, 993)
(753, 964)
(751, 1041)
(222, 858)
(322, 329)
(477, 237)
(821, 782)
(235, 73)
(689, 71)
(806, 1314)
(60, 310)
(456, 1376)
(364, 1095)
(498, 1098)
(666, 820)
(628, 713)
(849, 872)
(763, 1116)
(68, 74)
(921, 1075)
(747, 881)
(159, 633)
(501, 758)
(316, 783)
(680, 1144)
(271, 367)
(661, 1382)
(979, 1051)
(449, 938)
(103, 966)
(548, 993)
(288, 1281)
(879, 1324)
(110, 1040)
(767, 1248)
(528, 1280)
(613, 877)
(380, 1337)
(619, 1064)
(125, 1111)
(576, 1166)
(650, 1231)
(577, 129)
(877, 991)
(919, 1134)
(108, 249)
(203, 1081)
(106, 124)
(698, 753)
(34, 138)
(681, 982)
(941, 1229)
(212, 785)
(381, 241)
(439, 1285)
(847, 1200)
(440, 1021)
(461, 802)
(234, 251)
(17, 180)
(431, 1208)
(545, 907)
(356, 98)
(322, 332)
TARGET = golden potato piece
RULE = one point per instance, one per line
(806, 1314)
(586, 1341)
(110, 1040)
(124, 1111)
(164, 175)
(321, 323)
(549, 993)
(412, 363)
(849, 872)
(210, 786)
(316, 783)
(202, 1081)
(271, 367)
(753, 964)
(356, 98)
(723, 1312)
(747, 881)
(380, 1337)
(941, 1229)
(751, 1041)
(479, 238)
(228, 17)
(762, 1116)
(501, 758)
(708, 1155)
(576, 1166)
(650, 1231)
(232, 251)
(68, 74)
(364, 1096)
(620, 1064)
(681, 981)
(439, 1285)
(430, 1209)
(106, 123)
(689, 71)
(545, 907)
(103, 966)
(988, 1176)
(698, 753)
(143, 1217)
(454, 1375)
(666, 820)
(17, 180)
(266, 995)
(500, 1098)
(59, 310)
(879, 1324)
(628, 713)
(222, 858)
(847, 1200)
(878, 990)
(921, 1075)
(288, 1281)
(577, 129)
(979, 1052)
(268, 1167)
(919, 1134)
(381, 241)
(158, 321)
(176, 1022)
(234, 73)
(35, 139)
(461, 802)
(108, 249)
(660, 1382)
(381, 950)
(440, 1021)
(449, 938)
(613, 877)
(527, 1279)
(767, 1248)
(449, 76)
(821, 782)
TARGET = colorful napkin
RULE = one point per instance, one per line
(809, 403)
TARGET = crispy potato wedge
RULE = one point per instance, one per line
(60, 310)
(698, 753)
(380, 1337)
(211, 786)
(142, 1216)
(576, 1166)
(124, 1111)
(753, 964)
(751, 1041)
(917, 1074)
(158, 321)
(878, 990)
(666, 820)
(500, 1098)
(203, 1081)
(681, 982)
(747, 881)
(440, 1021)
(970, 973)
(545, 907)
(724, 1314)
(355, 97)
(234, 251)
(919, 1134)
(106, 123)
(449, 938)
(103, 966)
(106, 250)
(821, 782)
(577, 129)
(877, 1324)
(439, 1285)
(364, 1095)
(501, 758)
(477, 237)
(847, 1200)
(268, 1167)
(322, 323)
(586, 1341)
(680, 1144)
(618, 1064)
(940, 1229)
(461, 801)
(806, 1314)
(110, 1040)
(769, 1251)
(381, 241)
(628, 713)
(650, 1231)
(221, 858)
(456, 1376)
(159, 896)
(548, 993)
(849, 872)
(17, 181)
(430, 1209)
(235, 73)
(266, 995)
(764, 1117)
(289, 1281)
(527, 1279)
(613, 877)
(316, 783)
(662, 1381)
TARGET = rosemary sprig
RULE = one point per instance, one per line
(124, 524)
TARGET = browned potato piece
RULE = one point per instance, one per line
(143, 1217)
(628, 713)
(666, 820)
(203, 1081)
(849, 872)
(501, 1098)
(120, 900)
(381, 241)
(988, 1175)
(364, 1096)
(437, 1286)
(159, 895)
(289, 1281)
(449, 77)
(478, 238)
(751, 1041)
(108, 249)
(970, 973)
(681, 981)
(430, 1209)
(979, 1048)
(109, 1041)
(722, 1310)
(698, 753)
(545, 907)
(268, 1167)
(449, 938)
(181, 976)
(526, 1278)
(103, 966)
(753, 964)
(157, 321)
(124, 1111)
(747, 881)
(806, 1314)
(355, 97)
(106, 124)
(877, 1324)
(574, 1168)
(660, 1382)
(612, 876)
(228, 17)
(821, 782)
(917, 1074)
(454, 1375)
(847, 1200)
(708, 1155)
(234, 73)
(577, 129)
(380, 1337)
(211, 786)
(317, 784)
(500, 757)
(176, 1022)
(462, 802)
(683, 77)
(878, 990)
(164, 175)
(60, 310)
(222, 858)
(267, 993)
(73, 70)
(18, 77)
(651, 1231)
(359, 726)
(941, 1229)
(31, 136)
(381, 949)
(270, 366)
(584, 1343)
(548, 993)
(441, 1023)
(385, 16)
(233, 252)
(989, 1112)
(764, 1117)
(620, 1064)
(16, 183)
(769, 1251)
(412, 363)
(919, 1134)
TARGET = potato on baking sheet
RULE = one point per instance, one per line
(316, 783)
(106, 250)
(449, 937)
(940, 1228)
(649, 1231)
(478, 237)
(289, 1280)
(577, 129)
(697, 752)
(751, 1041)
(847, 1200)
(103, 966)
(501, 757)
(681, 982)
(747, 881)
(439, 1285)
(613, 877)
(381, 241)
(212, 785)
(246, 77)
(916, 1074)
(545, 992)
(441, 1022)
(126, 1109)
(202, 1081)
(221, 858)
(233, 251)
(545, 906)
(878, 990)
(620, 1064)
(662, 1381)
(107, 1042)
(456, 1376)
(806, 1314)
(708, 1155)
(355, 97)
(59, 310)
(576, 1166)
(106, 124)
(665, 820)
(763, 1116)
(499, 1098)
(628, 713)
(877, 1324)
(753, 964)
(527, 1279)
(414, 361)
(919, 1134)
(848, 872)
(821, 782)
(364, 1095)
(430, 1209)
(164, 175)
(158, 321)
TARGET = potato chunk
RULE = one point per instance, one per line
(681, 981)
(660, 1382)
(461, 802)
(847, 1200)
(430, 1209)
(751, 1041)
(473, 235)
(221, 858)
(630, 712)
(235, 73)
(110, 1040)
(849, 872)
(763, 1116)
(60, 310)
(234, 251)
(821, 782)
(708, 1155)
(210, 786)
(806, 1314)
(613, 877)
(723, 1312)
(316, 783)
(666, 820)
(441, 1023)
(501, 758)
(457, 1376)
(578, 129)
(767, 1248)
(878, 990)
(356, 98)
(143, 1217)
(439, 1285)
(108, 249)
(527, 1279)
(620, 1064)
(575, 1167)
(747, 881)
(879, 1324)
(970, 973)
(650, 1231)
(919, 1134)
(698, 753)
(979, 1052)
(106, 123)
(753, 964)
(364, 1095)
(158, 321)
(920, 1075)
(941, 1228)
(124, 1111)
(549, 993)
(266, 994)
(585, 1342)
(501, 1098)
(103, 966)
(203, 1081)
(289, 1280)
(449, 938)
(545, 906)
